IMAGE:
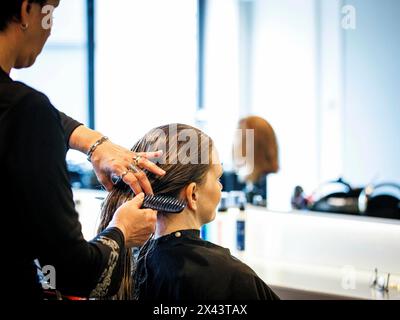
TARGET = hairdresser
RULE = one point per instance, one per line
(37, 206)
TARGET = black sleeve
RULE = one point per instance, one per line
(69, 125)
(82, 268)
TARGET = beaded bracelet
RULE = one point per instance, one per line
(94, 147)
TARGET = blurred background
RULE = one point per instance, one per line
(324, 73)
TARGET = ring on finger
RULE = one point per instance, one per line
(115, 179)
(136, 160)
(124, 174)
(134, 168)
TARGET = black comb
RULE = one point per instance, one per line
(163, 204)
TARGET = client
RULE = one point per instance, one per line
(176, 264)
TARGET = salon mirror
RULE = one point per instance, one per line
(326, 75)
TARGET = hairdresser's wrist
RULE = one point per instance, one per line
(82, 138)
(119, 226)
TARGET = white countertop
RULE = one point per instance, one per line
(322, 281)
(331, 255)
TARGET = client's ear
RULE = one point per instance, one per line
(25, 13)
(191, 196)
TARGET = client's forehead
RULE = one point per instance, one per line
(216, 162)
(219, 169)
(215, 157)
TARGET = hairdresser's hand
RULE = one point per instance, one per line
(136, 224)
(110, 159)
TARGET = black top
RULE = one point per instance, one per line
(37, 207)
(181, 266)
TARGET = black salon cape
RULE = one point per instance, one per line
(183, 267)
(38, 218)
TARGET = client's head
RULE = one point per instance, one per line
(192, 174)
(265, 148)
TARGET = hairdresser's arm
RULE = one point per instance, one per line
(109, 158)
(82, 268)
(69, 125)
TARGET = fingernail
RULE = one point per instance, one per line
(141, 195)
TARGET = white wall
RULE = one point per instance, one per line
(221, 73)
(330, 89)
(372, 93)
(284, 78)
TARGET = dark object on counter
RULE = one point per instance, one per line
(380, 282)
(223, 204)
(299, 201)
(82, 177)
(241, 228)
(256, 193)
(382, 201)
(343, 200)
(230, 182)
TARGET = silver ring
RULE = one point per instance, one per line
(115, 179)
(133, 168)
(124, 174)
(136, 160)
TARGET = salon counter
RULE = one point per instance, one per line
(301, 255)
(311, 255)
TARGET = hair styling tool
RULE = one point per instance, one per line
(163, 203)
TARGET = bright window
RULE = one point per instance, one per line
(146, 66)
(60, 71)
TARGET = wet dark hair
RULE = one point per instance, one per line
(177, 177)
(10, 10)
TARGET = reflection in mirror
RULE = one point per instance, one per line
(325, 74)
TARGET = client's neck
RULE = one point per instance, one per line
(8, 51)
(170, 223)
